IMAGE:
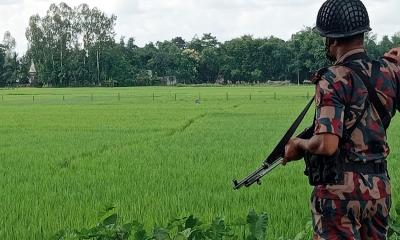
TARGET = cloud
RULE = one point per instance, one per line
(5, 3)
(154, 20)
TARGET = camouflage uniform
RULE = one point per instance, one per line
(358, 209)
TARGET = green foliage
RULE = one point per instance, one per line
(187, 228)
(109, 228)
(257, 225)
(191, 228)
(2, 62)
(10, 65)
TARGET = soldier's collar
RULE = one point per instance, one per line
(352, 55)
(356, 54)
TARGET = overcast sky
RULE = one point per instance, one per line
(157, 20)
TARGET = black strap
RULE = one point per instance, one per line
(280, 148)
(358, 120)
(372, 94)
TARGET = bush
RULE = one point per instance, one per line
(254, 227)
(187, 228)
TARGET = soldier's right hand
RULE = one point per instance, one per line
(393, 55)
(292, 151)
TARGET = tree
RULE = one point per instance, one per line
(179, 42)
(8, 61)
(11, 70)
(188, 64)
(67, 44)
(2, 62)
(241, 57)
(77, 46)
(9, 44)
(308, 52)
(371, 46)
(131, 44)
(396, 39)
(208, 47)
(385, 45)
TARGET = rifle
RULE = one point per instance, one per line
(276, 157)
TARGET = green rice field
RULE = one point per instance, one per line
(156, 153)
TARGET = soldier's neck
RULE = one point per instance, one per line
(342, 50)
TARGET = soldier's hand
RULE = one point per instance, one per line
(292, 151)
(393, 55)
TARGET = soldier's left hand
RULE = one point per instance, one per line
(292, 151)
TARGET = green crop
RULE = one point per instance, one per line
(255, 227)
(65, 153)
(187, 228)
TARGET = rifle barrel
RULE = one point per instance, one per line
(257, 175)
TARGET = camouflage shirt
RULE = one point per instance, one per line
(339, 89)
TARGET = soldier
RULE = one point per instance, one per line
(348, 120)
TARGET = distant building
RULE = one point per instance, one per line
(278, 83)
(307, 82)
(168, 80)
(32, 74)
(220, 80)
(149, 73)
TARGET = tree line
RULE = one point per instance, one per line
(76, 46)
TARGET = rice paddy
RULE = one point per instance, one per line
(157, 153)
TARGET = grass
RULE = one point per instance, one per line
(66, 153)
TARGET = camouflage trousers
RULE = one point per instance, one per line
(350, 219)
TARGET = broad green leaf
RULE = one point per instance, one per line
(218, 229)
(184, 235)
(111, 220)
(257, 225)
(161, 234)
(177, 223)
(191, 222)
(127, 227)
(140, 233)
(197, 234)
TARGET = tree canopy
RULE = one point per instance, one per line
(77, 46)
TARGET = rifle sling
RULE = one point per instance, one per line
(372, 94)
(279, 150)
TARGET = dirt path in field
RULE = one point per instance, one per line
(187, 124)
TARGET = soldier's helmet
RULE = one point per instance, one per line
(342, 18)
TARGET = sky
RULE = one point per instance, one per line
(158, 20)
